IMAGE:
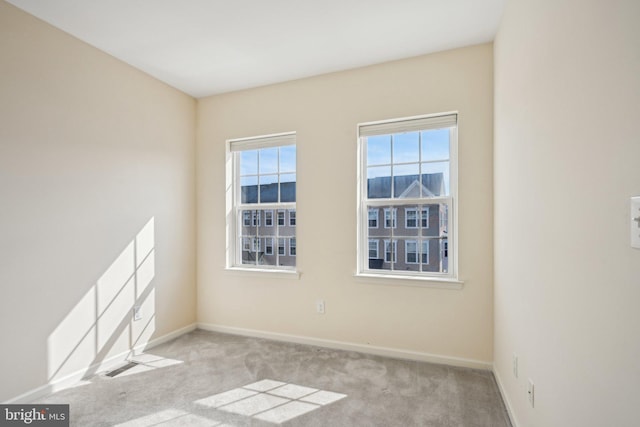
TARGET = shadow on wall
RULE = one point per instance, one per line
(100, 327)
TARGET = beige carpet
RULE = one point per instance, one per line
(212, 379)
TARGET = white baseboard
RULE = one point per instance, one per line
(342, 345)
(505, 398)
(104, 365)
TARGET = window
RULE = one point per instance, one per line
(263, 174)
(268, 218)
(292, 218)
(390, 251)
(411, 251)
(411, 218)
(268, 246)
(390, 217)
(373, 218)
(425, 218)
(373, 249)
(292, 247)
(408, 170)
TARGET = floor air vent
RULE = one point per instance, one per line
(121, 369)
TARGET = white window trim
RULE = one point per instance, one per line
(422, 212)
(284, 218)
(393, 217)
(256, 245)
(234, 203)
(377, 212)
(295, 245)
(450, 279)
(266, 224)
(377, 242)
(294, 218)
(284, 246)
(406, 252)
(394, 250)
(267, 246)
(406, 217)
(427, 241)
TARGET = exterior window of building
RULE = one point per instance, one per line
(268, 246)
(408, 171)
(263, 181)
(425, 252)
(373, 218)
(390, 252)
(390, 216)
(411, 218)
(268, 218)
(292, 247)
(425, 218)
(411, 251)
(373, 249)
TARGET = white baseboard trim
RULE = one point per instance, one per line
(343, 345)
(104, 365)
(505, 398)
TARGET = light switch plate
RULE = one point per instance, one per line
(635, 222)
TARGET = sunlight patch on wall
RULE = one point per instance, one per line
(101, 325)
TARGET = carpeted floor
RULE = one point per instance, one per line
(213, 379)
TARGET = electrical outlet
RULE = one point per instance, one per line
(515, 365)
(531, 393)
(137, 313)
(320, 306)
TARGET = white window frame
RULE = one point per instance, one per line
(266, 218)
(394, 251)
(293, 246)
(377, 242)
(406, 217)
(292, 218)
(448, 120)
(283, 246)
(393, 217)
(268, 245)
(424, 218)
(246, 244)
(235, 206)
(406, 252)
(423, 252)
(283, 218)
(377, 218)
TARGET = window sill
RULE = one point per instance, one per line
(425, 282)
(263, 272)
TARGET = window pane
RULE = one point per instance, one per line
(435, 179)
(379, 182)
(249, 189)
(406, 183)
(249, 162)
(406, 147)
(268, 160)
(435, 144)
(379, 150)
(268, 188)
(288, 187)
(288, 159)
(373, 217)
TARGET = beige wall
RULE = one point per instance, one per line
(567, 158)
(97, 201)
(324, 112)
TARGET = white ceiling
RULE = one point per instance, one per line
(204, 47)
